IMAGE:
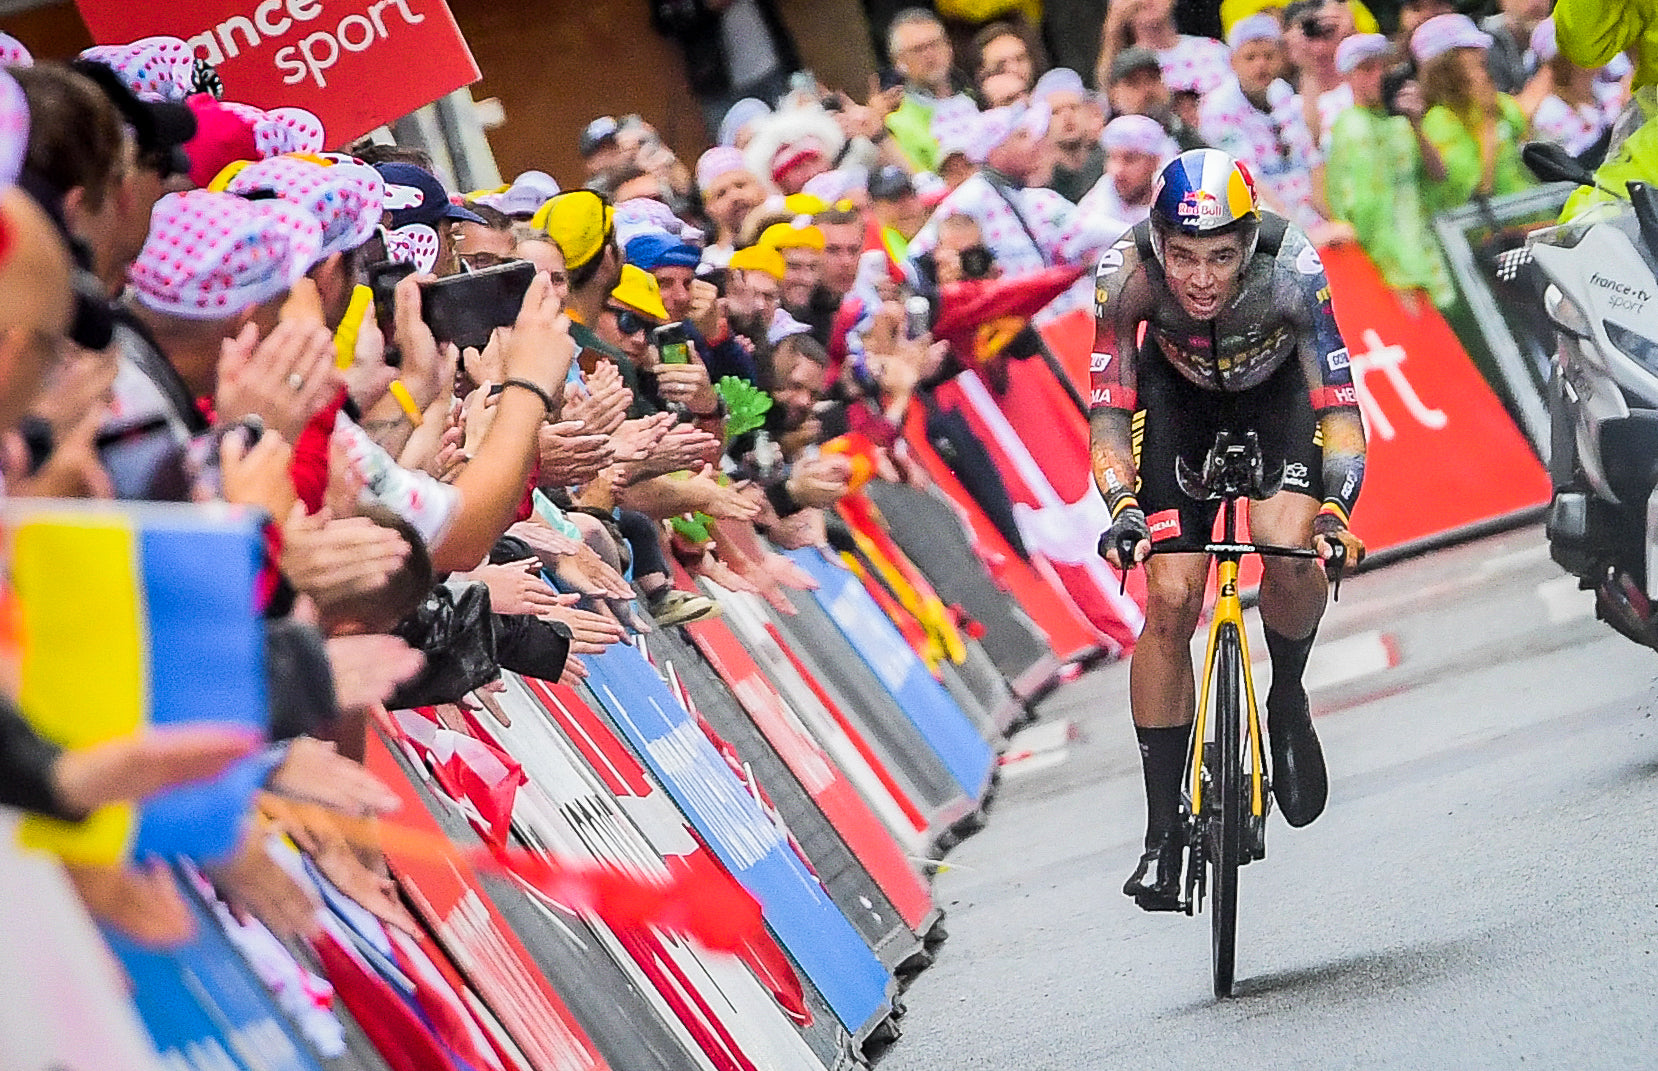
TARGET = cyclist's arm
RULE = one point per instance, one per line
(1112, 375)
(1325, 362)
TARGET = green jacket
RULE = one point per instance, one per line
(1460, 151)
(911, 126)
(1591, 32)
(1373, 179)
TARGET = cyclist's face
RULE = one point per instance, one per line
(1203, 273)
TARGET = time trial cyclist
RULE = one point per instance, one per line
(1213, 315)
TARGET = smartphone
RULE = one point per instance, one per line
(144, 461)
(382, 278)
(465, 309)
(673, 343)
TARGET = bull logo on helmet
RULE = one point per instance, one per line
(1198, 205)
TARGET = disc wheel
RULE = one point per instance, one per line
(1226, 823)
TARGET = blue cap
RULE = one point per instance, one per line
(659, 249)
(414, 195)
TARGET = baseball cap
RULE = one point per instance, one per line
(659, 249)
(1359, 47)
(1443, 33)
(1138, 133)
(346, 199)
(581, 222)
(890, 182)
(1058, 80)
(212, 255)
(414, 195)
(13, 53)
(161, 128)
(717, 161)
(527, 193)
(759, 258)
(154, 68)
(1257, 27)
(639, 291)
(798, 233)
(227, 131)
(1130, 60)
(596, 133)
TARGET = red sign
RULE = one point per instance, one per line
(1442, 452)
(356, 64)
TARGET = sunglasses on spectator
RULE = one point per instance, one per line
(628, 322)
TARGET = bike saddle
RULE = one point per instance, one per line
(1233, 468)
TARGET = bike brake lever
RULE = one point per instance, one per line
(1125, 554)
(1334, 565)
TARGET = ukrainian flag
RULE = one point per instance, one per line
(128, 615)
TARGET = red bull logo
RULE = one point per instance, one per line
(1200, 205)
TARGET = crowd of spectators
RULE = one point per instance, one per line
(199, 306)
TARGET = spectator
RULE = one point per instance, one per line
(730, 191)
(932, 103)
(1476, 129)
(1025, 229)
(1007, 48)
(1312, 30)
(1511, 60)
(1593, 33)
(1137, 148)
(420, 212)
(737, 125)
(524, 197)
(601, 149)
(492, 238)
(1185, 60)
(1077, 155)
(843, 240)
(583, 224)
(1257, 118)
(1378, 168)
(1135, 86)
(894, 204)
(1413, 13)
(1580, 108)
(792, 146)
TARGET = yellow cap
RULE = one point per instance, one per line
(805, 204)
(764, 258)
(639, 292)
(791, 236)
(579, 222)
(1231, 11)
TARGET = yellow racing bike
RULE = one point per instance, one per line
(1226, 794)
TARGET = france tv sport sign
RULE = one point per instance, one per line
(356, 64)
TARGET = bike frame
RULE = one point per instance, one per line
(1228, 555)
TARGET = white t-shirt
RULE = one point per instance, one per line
(1576, 128)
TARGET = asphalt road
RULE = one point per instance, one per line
(1481, 892)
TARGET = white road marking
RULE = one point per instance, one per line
(1040, 747)
(1563, 601)
(1351, 658)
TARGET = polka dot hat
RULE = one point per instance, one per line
(14, 129)
(415, 244)
(154, 68)
(346, 198)
(281, 130)
(13, 53)
(210, 256)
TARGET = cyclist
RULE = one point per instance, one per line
(1238, 333)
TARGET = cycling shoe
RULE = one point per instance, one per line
(1155, 884)
(1299, 781)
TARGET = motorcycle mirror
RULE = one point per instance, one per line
(1551, 163)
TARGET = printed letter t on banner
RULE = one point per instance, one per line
(356, 64)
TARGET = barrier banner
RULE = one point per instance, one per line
(933, 536)
(1442, 451)
(788, 738)
(1041, 450)
(860, 898)
(204, 1006)
(1067, 634)
(450, 899)
(922, 699)
(346, 61)
(808, 697)
(871, 714)
(641, 798)
(568, 809)
(796, 905)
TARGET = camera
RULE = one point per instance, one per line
(1392, 82)
(977, 262)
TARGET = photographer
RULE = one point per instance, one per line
(1378, 160)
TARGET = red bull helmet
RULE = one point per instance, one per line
(1202, 193)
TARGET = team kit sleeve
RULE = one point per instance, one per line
(1325, 361)
(1113, 377)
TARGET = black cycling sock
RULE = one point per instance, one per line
(1289, 662)
(1163, 762)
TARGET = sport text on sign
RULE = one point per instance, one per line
(352, 62)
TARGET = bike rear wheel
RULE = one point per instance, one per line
(1226, 824)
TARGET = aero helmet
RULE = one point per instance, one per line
(1204, 192)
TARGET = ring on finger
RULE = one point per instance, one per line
(295, 381)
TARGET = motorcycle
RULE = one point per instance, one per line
(1599, 276)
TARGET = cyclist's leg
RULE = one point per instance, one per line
(1292, 594)
(1161, 686)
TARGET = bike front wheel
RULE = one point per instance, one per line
(1227, 819)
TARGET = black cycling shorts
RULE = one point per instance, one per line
(1178, 419)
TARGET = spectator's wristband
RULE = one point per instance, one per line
(405, 401)
(524, 384)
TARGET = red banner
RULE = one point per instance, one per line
(355, 63)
